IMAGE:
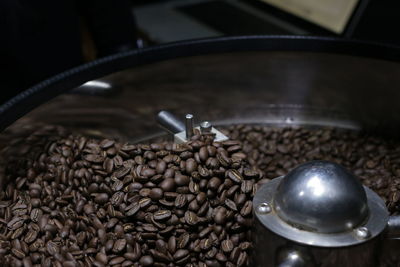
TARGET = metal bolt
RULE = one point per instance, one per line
(362, 232)
(264, 208)
(189, 125)
(205, 127)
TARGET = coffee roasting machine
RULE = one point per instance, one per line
(318, 214)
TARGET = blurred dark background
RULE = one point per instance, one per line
(42, 38)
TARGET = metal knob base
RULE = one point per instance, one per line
(318, 215)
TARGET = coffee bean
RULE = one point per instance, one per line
(234, 256)
(246, 186)
(116, 260)
(132, 256)
(191, 165)
(234, 175)
(88, 209)
(162, 215)
(30, 236)
(52, 248)
(94, 158)
(146, 261)
(15, 223)
(182, 180)
(214, 183)
(183, 240)
(172, 244)
(180, 201)
(194, 187)
(220, 215)
(242, 260)
(117, 185)
(18, 253)
(119, 245)
(180, 253)
(191, 218)
(227, 246)
(167, 184)
(27, 262)
(156, 193)
(230, 204)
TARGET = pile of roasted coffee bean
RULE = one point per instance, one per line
(68, 200)
(73, 201)
(374, 160)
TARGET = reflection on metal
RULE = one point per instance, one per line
(97, 84)
(321, 211)
(291, 257)
(394, 227)
(321, 196)
(170, 122)
(95, 87)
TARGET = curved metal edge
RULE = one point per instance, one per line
(376, 223)
(394, 227)
(24, 102)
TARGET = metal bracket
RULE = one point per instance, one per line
(184, 131)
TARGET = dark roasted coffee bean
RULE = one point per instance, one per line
(194, 187)
(246, 209)
(52, 248)
(162, 215)
(172, 244)
(144, 202)
(156, 194)
(191, 218)
(227, 246)
(180, 253)
(94, 158)
(230, 204)
(234, 175)
(182, 180)
(132, 256)
(18, 253)
(214, 183)
(183, 240)
(191, 166)
(88, 209)
(101, 257)
(247, 186)
(220, 215)
(167, 185)
(119, 245)
(180, 201)
(15, 223)
(35, 214)
(101, 198)
(234, 256)
(116, 260)
(146, 261)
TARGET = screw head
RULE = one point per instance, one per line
(205, 127)
(362, 232)
(264, 208)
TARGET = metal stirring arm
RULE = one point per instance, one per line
(170, 122)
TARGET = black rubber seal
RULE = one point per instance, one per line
(24, 102)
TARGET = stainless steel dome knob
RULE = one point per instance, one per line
(322, 197)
